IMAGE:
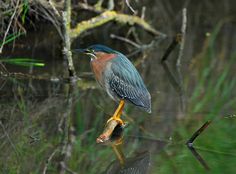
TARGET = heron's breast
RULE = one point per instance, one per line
(100, 64)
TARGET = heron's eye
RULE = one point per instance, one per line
(90, 51)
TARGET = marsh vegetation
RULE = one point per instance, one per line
(49, 121)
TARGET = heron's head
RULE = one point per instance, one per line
(94, 50)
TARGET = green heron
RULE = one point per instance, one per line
(117, 75)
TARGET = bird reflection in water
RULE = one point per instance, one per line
(113, 136)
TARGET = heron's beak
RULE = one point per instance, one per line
(79, 50)
(88, 52)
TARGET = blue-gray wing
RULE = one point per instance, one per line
(126, 82)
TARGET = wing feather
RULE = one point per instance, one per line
(126, 82)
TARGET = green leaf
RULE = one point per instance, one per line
(23, 62)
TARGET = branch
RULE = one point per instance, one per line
(82, 83)
(112, 133)
(111, 15)
(178, 64)
(67, 129)
(49, 160)
(88, 7)
(130, 7)
(183, 33)
(140, 47)
(109, 128)
(66, 16)
(56, 12)
(113, 36)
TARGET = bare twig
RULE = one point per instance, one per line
(86, 6)
(143, 12)
(230, 116)
(130, 7)
(49, 160)
(139, 47)
(111, 5)
(182, 44)
(52, 4)
(183, 33)
(135, 35)
(136, 45)
(49, 10)
(113, 36)
(98, 5)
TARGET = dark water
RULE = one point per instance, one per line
(52, 126)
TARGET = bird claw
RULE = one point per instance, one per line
(118, 120)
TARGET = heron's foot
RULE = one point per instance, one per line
(117, 119)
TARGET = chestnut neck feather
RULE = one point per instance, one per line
(99, 65)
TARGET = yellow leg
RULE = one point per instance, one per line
(118, 112)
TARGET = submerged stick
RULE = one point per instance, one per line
(189, 144)
(199, 158)
(171, 47)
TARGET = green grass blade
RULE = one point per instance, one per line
(23, 62)
(25, 9)
(10, 38)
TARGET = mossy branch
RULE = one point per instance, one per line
(111, 15)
